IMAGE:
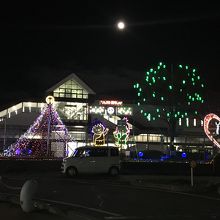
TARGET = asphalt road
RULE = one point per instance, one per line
(111, 198)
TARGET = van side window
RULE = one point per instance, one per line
(78, 152)
(83, 152)
(99, 152)
(114, 152)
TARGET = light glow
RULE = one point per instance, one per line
(50, 99)
(121, 25)
(96, 110)
(194, 122)
(99, 133)
(110, 102)
(124, 111)
(159, 86)
(33, 143)
(121, 133)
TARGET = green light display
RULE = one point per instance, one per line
(176, 91)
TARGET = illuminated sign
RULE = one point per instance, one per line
(124, 111)
(111, 110)
(96, 110)
(110, 102)
(211, 127)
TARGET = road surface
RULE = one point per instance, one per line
(114, 198)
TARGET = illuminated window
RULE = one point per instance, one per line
(72, 110)
(71, 89)
(56, 94)
(187, 122)
(68, 95)
(201, 122)
(194, 122)
(180, 121)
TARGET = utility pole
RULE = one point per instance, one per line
(48, 131)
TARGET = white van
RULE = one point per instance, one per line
(92, 160)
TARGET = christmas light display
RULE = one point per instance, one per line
(111, 110)
(211, 127)
(50, 99)
(46, 137)
(97, 110)
(121, 134)
(99, 133)
(175, 91)
(124, 111)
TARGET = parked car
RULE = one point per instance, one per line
(90, 159)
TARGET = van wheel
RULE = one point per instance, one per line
(71, 172)
(113, 171)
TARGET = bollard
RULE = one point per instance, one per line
(192, 165)
(27, 194)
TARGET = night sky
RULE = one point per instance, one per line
(43, 43)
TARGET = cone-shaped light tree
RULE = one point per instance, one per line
(47, 129)
(175, 91)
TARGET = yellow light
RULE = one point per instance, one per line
(50, 99)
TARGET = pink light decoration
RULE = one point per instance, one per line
(207, 120)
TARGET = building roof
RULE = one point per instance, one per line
(74, 77)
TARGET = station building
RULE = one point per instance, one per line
(78, 107)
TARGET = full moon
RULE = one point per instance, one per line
(121, 25)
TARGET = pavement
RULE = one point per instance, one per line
(11, 210)
(203, 185)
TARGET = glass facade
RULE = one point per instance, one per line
(157, 138)
(72, 110)
(70, 89)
